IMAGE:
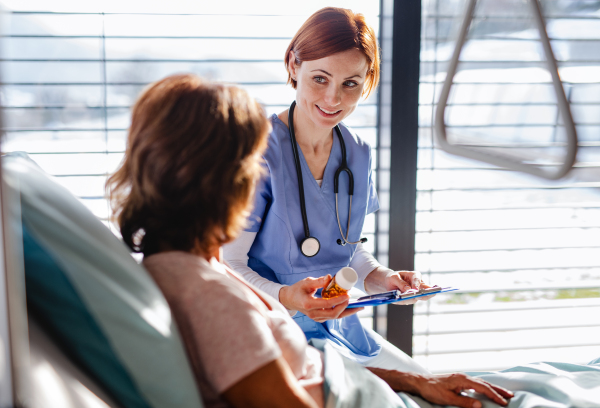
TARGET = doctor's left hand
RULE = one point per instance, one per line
(384, 279)
(300, 297)
(404, 280)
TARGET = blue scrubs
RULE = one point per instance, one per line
(275, 253)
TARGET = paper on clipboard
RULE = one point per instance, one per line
(395, 296)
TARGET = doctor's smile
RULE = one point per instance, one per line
(328, 113)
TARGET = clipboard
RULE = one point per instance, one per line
(395, 296)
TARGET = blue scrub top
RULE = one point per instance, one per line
(277, 220)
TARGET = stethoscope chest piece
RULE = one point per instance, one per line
(310, 246)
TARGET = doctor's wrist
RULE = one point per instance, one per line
(283, 295)
(283, 299)
(375, 282)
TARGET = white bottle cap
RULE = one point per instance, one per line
(346, 278)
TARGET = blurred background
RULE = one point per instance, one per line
(525, 252)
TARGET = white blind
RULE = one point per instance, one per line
(524, 251)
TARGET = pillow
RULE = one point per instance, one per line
(98, 302)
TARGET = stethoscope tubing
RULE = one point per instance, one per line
(343, 167)
(298, 170)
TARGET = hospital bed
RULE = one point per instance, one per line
(101, 333)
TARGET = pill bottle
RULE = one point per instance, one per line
(341, 283)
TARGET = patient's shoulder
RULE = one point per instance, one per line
(212, 310)
(185, 278)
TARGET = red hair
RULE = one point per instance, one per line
(332, 30)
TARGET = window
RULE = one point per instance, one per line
(524, 251)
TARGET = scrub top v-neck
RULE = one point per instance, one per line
(277, 220)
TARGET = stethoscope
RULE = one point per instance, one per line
(310, 246)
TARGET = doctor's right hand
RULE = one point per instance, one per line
(301, 297)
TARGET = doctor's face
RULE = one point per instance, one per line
(328, 89)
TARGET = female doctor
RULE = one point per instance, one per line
(301, 232)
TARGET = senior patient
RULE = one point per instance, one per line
(183, 190)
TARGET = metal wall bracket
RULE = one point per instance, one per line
(496, 159)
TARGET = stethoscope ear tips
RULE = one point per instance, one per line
(362, 240)
(339, 242)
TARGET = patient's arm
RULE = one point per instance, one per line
(273, 385)
(443, 389)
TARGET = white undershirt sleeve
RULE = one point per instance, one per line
(236, 255)
(363, 262)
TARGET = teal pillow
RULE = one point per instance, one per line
(85, 287)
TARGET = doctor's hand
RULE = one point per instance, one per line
(383, 280)
(403, 281)
(301, 297)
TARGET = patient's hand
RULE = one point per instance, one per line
(443, 389)
(447, 390)
(300, 297)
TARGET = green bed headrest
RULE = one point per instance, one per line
(86, 289)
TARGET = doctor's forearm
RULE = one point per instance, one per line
(236, 255)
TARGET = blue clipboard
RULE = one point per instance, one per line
(395, 296)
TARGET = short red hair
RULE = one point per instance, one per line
(332, 30)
